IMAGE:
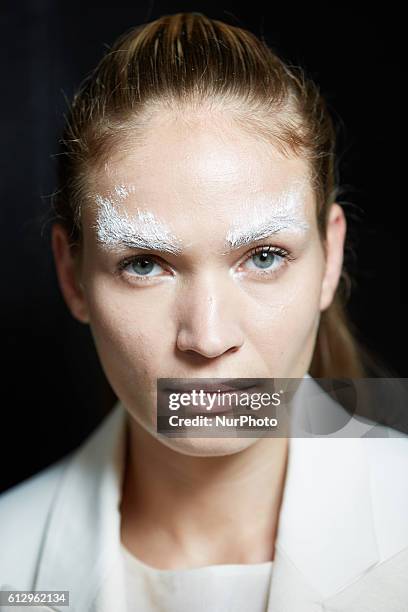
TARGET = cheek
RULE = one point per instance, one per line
(128, 328)
(282, 318)
(130, 345)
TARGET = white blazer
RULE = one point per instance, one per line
(342, 542)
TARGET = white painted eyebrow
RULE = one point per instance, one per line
(143, 230)
(247, 233)
(117, 230)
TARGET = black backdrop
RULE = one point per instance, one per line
(54, 392)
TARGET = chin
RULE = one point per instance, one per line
(206, 447)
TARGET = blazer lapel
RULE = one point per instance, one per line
(326, 531)
(340, 515)
(81, 551)
(383, 589)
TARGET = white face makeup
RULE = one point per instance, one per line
(201, 202)
(115, 228)
(284, 212)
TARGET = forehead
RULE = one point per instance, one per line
(203, 164)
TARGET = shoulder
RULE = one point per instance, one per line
(30, 495)
(26, 502)
(23, 516)
(66, 492)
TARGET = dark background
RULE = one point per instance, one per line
(54, 392)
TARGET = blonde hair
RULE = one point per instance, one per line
(187, 58)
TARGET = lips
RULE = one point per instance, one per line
(222, 385)
(218, 387)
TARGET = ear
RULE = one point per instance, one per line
(335, 238)
(68, 273)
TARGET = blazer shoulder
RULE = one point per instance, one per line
(24, 510)
(32, 492)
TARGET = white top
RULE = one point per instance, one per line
(219, 588)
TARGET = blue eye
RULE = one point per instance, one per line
(141, 266)
(267, 258)
(264, 259)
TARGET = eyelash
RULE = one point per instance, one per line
(283, 253)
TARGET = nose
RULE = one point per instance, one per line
(208, 322)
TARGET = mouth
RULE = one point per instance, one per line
(212, 394)
(221, 385)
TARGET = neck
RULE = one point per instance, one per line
(171, 502)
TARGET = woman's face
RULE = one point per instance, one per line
(190, 205)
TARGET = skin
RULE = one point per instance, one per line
(202, 313)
